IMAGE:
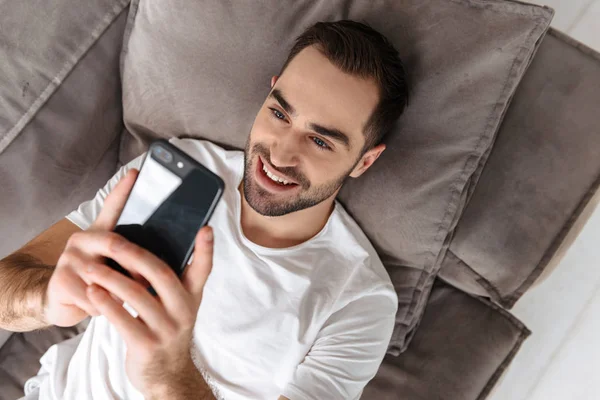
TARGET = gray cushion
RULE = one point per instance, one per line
(60, 109)
(202, 69)
(533, 194)
(20, 356)
(462, 347)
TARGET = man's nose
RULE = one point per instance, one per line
(284, 152)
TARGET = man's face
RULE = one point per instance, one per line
(309, 131)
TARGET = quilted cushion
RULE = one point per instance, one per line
(202, 69)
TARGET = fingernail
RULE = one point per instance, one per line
(208, 235)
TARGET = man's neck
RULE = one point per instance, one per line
(287, 230)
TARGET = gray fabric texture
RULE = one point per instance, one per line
(20, 356)
(61, 111)
(462, 347)
(542, 172)
(202, 69)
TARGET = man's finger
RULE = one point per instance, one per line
(132, 330)
(136, 296)
(77, 288)
(197, 272)
(115, 201)
(136, 259)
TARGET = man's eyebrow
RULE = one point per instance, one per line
(276, 94)
(332, 133)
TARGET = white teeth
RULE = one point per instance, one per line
(275, 177)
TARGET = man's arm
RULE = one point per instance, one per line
(24, 277)
(190, 385)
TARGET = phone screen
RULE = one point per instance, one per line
(172, 228)
(153, 185)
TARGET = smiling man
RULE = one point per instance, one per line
(289, 300)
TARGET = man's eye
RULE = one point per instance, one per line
(321, 144)
(278, 114)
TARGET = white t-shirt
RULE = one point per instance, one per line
(311, 321)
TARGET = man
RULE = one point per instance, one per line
(289, 300)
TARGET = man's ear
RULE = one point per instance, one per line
(367, 160)
(273, 80)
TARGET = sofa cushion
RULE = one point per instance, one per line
(462, 347)
(20, 356)
(60, 110)
(541, 181)
(203, 69)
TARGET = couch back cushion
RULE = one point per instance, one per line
(542, 180)
(202, 69)
(60, 110)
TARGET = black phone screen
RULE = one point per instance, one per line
(171, 229)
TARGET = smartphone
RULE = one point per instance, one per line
(172, 198)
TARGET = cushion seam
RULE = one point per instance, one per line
(72, 61)
(563, 37)
(535, 10)
(133, 9)
(485, 156)
(516, 322)
(493, 380)
(512, 298)
(524, 333)
(478, 278)
(504, 365)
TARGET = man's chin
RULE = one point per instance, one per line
(263, 202)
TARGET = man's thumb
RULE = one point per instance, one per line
(197, 272)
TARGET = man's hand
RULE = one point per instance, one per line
(66, 301)
(158, 340)
(158, 361)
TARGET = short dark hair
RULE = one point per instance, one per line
(357, 49)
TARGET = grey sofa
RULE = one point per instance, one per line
(62, 135)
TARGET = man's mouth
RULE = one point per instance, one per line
(270, 180)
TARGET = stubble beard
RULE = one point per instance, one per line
(275, 205)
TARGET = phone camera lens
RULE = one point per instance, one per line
(162, 154)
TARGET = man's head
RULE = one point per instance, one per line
(339, 92)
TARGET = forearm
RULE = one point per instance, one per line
(23, 283)
(188, 385)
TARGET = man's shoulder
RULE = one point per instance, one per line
(355, 247)
(352, 238)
